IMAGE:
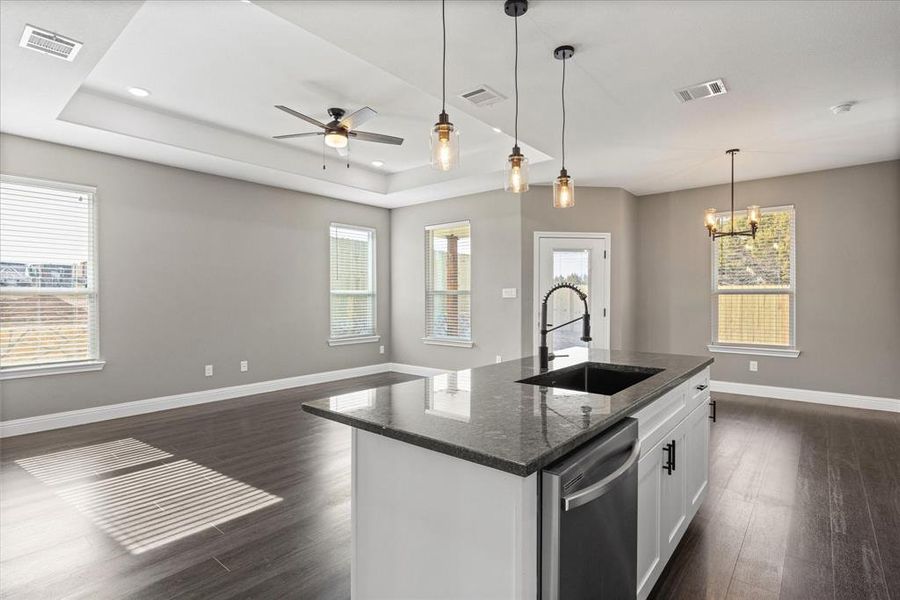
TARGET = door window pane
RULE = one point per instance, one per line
(569, 266)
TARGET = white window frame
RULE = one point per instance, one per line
(95, 363)
(441, 341)
(373, 276)
(790, 351)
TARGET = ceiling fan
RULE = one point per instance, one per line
(341, 129)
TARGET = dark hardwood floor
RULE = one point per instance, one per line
(249, 498)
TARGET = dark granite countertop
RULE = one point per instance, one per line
(482, 415)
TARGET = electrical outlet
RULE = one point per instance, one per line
(754, 366)
(499, 358)
(244, 366)
(208, 370)
(380, 349)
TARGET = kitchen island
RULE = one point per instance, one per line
(446, 470)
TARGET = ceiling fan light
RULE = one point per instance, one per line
(444, 144)
(336, 139)
(516, 180)
(563, 191)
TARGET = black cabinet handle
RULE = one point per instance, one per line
(713, 415)
(702, 387)
(669, 466)
(673, 455)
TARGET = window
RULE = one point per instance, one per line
(352, 285)
(753, 286)
(48, 278)
(448, 284)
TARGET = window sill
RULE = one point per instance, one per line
(56, 369)
(365, 339)
(780, 352)
(446, 342)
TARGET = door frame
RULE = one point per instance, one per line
(536, 293)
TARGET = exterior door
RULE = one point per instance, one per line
(580, 259)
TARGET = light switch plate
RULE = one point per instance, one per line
(754, 366)
(510, 292)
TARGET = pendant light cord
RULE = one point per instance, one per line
(444, 60)
(563, 94)
(516, 80)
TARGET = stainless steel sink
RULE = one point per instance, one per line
(596, 378)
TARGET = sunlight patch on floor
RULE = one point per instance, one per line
(152, 507)
(68, 465)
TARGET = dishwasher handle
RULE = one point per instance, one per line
(596, 490)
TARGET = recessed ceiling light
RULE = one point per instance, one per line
(139, 92)
(497, 129)
(377, 163)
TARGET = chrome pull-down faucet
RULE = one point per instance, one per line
(543, 351)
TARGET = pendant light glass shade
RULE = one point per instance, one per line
(444, 144)
(563, 191)
(516, 172)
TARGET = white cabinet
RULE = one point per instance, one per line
(696, 456)
(649, 559)
(672, 475)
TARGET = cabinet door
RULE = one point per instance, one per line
(673, 493)
(649, 558)
(696, 456)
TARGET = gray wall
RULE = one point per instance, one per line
(197, 269)
(496, 252)
(596, 210)
(848, 278)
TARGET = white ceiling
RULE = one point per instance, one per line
(216, 69)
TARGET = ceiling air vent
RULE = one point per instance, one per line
(483, 96)
(702, 90)
(50, 43)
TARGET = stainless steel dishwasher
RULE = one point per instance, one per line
(589, 519)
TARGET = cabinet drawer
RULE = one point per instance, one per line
(698, 390)
(660, 416)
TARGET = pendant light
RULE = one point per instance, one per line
(516, 164)
(752, 213)
(563, 186)
(444, 137)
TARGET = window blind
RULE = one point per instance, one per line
(753, 282)
(48, 292)
(448, 282)
(352, 282)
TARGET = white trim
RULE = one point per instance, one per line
(536, 292)
(416, 370)
(800, 395)
(447, 225)
(365, 339)
(81, 366)
(448, 342)
(756, 351)
(139, 407)
(49, 184)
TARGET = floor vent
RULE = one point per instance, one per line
(702, 90)
(50, 43)
(483, 96)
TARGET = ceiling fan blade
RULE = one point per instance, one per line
(342, 151)
(365, 136)
(300, 116)
(355, 119)
(297, 135)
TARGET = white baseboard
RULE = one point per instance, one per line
(814, 396)
(139, 407)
